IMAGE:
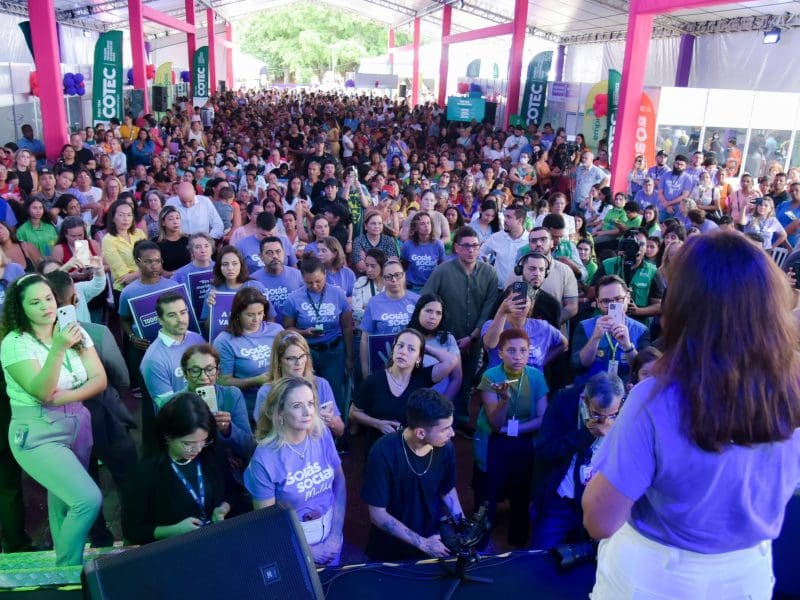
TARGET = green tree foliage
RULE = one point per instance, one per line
(306, 38)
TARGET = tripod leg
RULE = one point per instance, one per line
(474, 579)
(453, 587)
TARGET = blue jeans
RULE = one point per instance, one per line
(330, 364)
(53, 445)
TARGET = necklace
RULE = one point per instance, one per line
(408, 461)
(302, 454)
(181, 461)
(399, 383)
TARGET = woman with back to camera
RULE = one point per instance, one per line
(50, 371)
(723, 405)
(186, 485)
(296, 463)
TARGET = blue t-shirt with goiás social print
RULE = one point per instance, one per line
(309, 309)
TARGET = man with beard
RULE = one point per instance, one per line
(278, 279)
(673, 189)
(658, 170)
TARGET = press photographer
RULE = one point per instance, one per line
(646, 288)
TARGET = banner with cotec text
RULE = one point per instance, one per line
(200, 73)
(107, 77)
(536, 88)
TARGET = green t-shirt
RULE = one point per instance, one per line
(44, 237)
(615, 214)
(524, 396)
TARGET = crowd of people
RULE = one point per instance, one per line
(385, 273)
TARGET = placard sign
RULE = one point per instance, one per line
(465, 109)
(219, 314)
(143, 310)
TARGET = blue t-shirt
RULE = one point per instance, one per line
(543, 337)
(250, 247)
(386, 315)
(12, 272)
(422, 260)
(278, 287)
(785, 214)
(246, 355)
(673, 186)
(182, 274)
(136, 288)
(344, 279)
(161, 366)
(309, 309)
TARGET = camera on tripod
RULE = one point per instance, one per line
(628, 248)
(461, 536)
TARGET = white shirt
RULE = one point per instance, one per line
(505, 249)
(202, 217)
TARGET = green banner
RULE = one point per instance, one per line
(614, 81)
(536, 87)
(107, 77)
(200, 73)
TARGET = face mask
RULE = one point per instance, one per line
(523, 160)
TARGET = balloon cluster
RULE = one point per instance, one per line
(74, 85)
(474, 87)
(33, 82)
(600, 106)
(350, 83)
(150, 74)
(462, 87)
(185, 76)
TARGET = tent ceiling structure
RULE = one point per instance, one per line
(559, 21)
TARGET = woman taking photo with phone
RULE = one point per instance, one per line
(50, 370)
(700, 523)
(296, 463)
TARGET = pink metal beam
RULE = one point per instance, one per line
(48, 69)
(156, 16)
(415, 64)
(520, 26)
(229, 54)
(637, 45)
(444, 56)
(191, 38)
(391, 50)
(212, 51)
(138, 50)
(485, 32)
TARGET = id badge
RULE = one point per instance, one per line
(586, 473)
(613, 367)
(512, 428)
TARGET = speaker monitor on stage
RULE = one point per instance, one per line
(160, 100)
(262, 554)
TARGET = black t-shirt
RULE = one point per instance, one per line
(175, 254)
(374, 397)
(410, 497)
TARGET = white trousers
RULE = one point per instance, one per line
(633, 567)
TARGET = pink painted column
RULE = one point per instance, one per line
(212, 51)
(48, 70)
(444, 56)
(515, 58)
(637, 45)
(415, 64)
(191, 38)
(391, 48)
(137, 50)
(229, 55)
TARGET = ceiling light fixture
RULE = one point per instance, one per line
(772, 36)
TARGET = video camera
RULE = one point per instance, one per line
(628, 248)
(463, 535)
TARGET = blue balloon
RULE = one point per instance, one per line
(79, 77)
(81, 91)
(69, 79)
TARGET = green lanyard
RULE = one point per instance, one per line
(67, 364)
(613, 346)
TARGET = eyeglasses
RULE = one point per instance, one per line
(295, 360)
(197, 371)
(598, 418)
(191, 446)
(393, 276)
(470, 246)
(607, 301)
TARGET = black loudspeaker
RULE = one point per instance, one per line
(491, 112)
(403, 90)
(223, 86)
(262, 554)
(160, 100)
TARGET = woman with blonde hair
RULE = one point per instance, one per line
(764, 224)
(691, 483)
(291, 356)
(296, 463)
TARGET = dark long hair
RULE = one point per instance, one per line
(244, 298)
(219, 278)
(740, 377)
(440, 333)
(183, 415)
(14, 317)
